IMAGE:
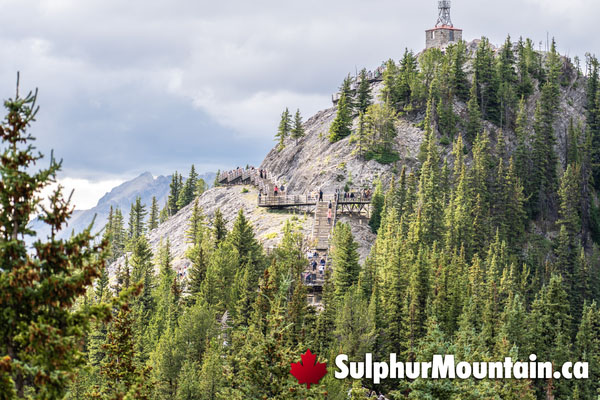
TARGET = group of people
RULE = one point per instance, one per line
(365, 194)
(317, 195)
(317, 264)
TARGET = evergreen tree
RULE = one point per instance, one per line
(219, 227)
(199, 255)
(341, 126)
(297, 130)
(285, 126)
(153, 221)
(474, 125)
(544, 180)
(119, 368)
(138, 212)
(377, 201)
(364, 98)
(380, 125)
(389, 92)
(524, 61)
(487, 81)
(406, 80)
(244, 242)
(593, 114)
(164, 214)
(188, 191)
(507, 80)
(41, 323)
(352, 324)
(344, 259)
(174, 193)
(430, 196)
(211, 373)
(196, 228)
(459, 82)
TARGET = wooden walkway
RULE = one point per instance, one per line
(322, 229)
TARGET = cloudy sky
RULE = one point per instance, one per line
(134, 86)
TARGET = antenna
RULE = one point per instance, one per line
(444, 16)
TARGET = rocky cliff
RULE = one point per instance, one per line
(313, 163)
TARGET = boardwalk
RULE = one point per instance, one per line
(319, 260)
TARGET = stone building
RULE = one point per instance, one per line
(444, 32)
(442, 36)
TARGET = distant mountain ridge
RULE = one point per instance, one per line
(144, 185)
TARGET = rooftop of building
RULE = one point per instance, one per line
(444, 27)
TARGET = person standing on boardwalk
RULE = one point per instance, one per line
(320, 194)
(329, 216)
(275, 191)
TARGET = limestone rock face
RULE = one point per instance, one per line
(268, 226)
(315, 163)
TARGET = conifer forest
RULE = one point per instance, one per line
(487, 247)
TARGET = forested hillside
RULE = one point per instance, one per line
(486, 246)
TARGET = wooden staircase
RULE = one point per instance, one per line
(321, 228)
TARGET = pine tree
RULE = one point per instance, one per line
(244, 242)
(593, 114)
(219, 227)
(524, 82)
(118, 368)
(39, 286)
(163, 318)
(459, 82)
(354, 336)
(430, 196)
(344, 259)
(377, 201)
(417, 295)
(389, 92)
(211, 373)
(326, 318)
(199, 256)
(164, 214)
(341, 125)
(297, 130)
(364, 98)
(487, 81)
(196, 227)
(507, 80)
(587, 348)
(153, 221)
(137, 227)
(360, 136)
(380, 124)
(188, 191)
(174, 192)
(284, 128)
(474, 125)
(522, 153)
(544, 177)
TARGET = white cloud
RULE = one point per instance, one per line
(86, 193)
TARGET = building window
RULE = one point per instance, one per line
(452, 36)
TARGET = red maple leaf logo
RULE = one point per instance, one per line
(309, 370)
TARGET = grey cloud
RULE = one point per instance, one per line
(156, 85)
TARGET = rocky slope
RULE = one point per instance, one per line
(267, 224)
(313, 163)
